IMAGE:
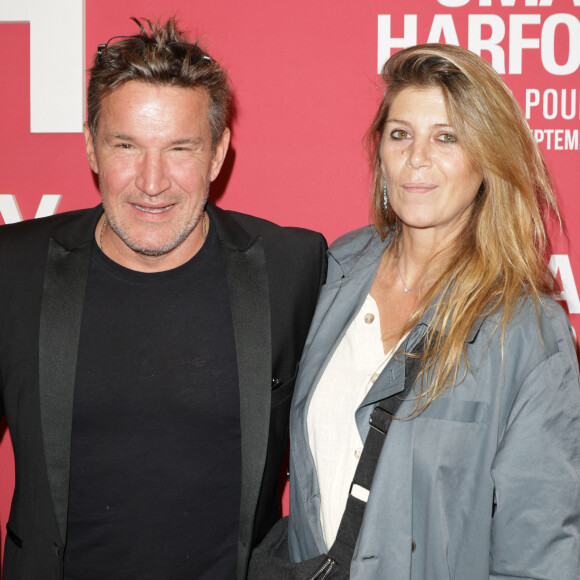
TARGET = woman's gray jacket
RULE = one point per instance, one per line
(485, 483)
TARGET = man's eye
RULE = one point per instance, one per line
(399, 134)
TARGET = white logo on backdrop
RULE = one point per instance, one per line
(559, 104)
(57, 61)
(10, 210)
(560, 264)
(525, 33)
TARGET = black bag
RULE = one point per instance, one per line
(271, 558)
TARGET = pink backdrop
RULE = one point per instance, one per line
(305, 76)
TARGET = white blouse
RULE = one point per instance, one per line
(334, 439)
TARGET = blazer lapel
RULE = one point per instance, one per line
(60, 322)
(247, 278)
(61, 314)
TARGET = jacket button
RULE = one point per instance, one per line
(57, 550)
(413, 546)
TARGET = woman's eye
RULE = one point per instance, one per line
(399, 134)
(448, 138)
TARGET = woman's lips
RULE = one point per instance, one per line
(418, 187)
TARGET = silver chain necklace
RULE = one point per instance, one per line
(101, 234)
(405, 289)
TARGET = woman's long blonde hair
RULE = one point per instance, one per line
(500, 255)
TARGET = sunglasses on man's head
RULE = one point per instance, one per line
(180, 50)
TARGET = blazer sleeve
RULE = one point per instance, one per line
(536, 473)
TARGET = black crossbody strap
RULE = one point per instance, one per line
(343, 548)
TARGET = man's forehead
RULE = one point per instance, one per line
(141, 103)
(136, 88)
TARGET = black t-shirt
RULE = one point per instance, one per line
(155, 454)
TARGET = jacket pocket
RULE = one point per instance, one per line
(282, 391)
(447, 409)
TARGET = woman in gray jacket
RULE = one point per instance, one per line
(479, 476)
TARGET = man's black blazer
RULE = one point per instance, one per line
(274, 275)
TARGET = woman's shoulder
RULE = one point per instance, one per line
(546, 317)
(364, 241)
(537, 330)
(359, 234)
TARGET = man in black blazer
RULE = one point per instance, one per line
(148, 347)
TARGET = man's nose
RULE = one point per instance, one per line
(152, 174)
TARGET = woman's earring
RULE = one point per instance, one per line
(385, 198)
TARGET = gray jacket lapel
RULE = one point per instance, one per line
(350, 276)
(60, 322)
(348, 282)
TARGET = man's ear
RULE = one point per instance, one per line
(219, 154)
(90, 148)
